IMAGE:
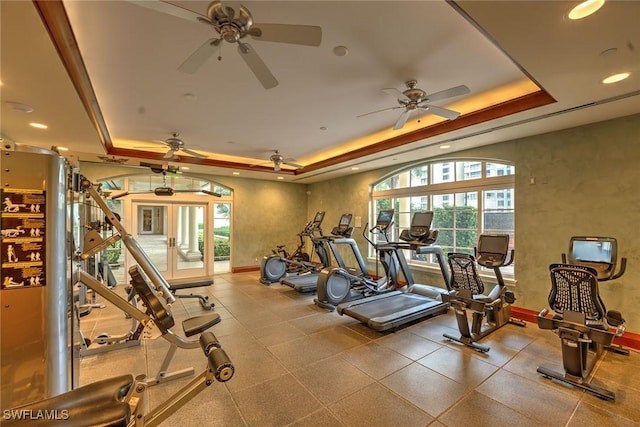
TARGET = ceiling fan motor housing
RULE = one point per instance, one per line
(231, 27)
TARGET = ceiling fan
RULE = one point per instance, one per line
(165, 190)
(175, 145)
(415, 99)
(278, 160)
(233, 25)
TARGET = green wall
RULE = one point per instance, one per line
(265, 213)
(585, 181)
(585, 184)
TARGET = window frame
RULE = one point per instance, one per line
(472, 185)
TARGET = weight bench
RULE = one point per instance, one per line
(178, 285)
(120, 401)
(156, 319)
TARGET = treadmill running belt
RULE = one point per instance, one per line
(393, 309)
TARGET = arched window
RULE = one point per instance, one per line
(467, 196)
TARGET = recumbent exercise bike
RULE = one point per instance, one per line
(578, 314)
(468, 291)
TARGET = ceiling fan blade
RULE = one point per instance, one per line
(169, 154)
(402, 120)
(448, 93)
(256, 65)
(379, 111)
(396, 93)
(194, 154)
(306, 35)
(439, 111)
(294, 165)
(168, 8)
(199, 57)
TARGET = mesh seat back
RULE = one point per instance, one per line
(575, 288)
(464, 274)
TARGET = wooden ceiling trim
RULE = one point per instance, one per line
(516, 105)
(56, 21)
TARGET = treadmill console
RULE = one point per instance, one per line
(344, 228)
(492, 250)
(420, 229)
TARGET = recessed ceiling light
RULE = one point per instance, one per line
(62, 148)
(18, 106)
(236, 173)
(340, 51)
(445, 146)
(185, 168)
(281, 177)
(355, 168)
(615, 78)
(585, 9)
(323, 128)
(38, 125)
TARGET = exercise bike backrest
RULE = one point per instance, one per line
(599, 253)
(493, 251)
(420, 230)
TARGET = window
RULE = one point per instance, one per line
(467, 197)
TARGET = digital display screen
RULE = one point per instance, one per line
(592, 250)
(422, 219)
(345, 220)
(493, 243)
(385, 216)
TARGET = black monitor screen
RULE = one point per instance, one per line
(385, 217)
(493, 243)
(422, 219)
(345, 220)
(319, 217)
(592, 250)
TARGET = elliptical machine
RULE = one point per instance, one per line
(336, 285)
(276, 266)
(306, 281)
(468, 291)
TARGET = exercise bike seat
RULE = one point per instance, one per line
(97, 404)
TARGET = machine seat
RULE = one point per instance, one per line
(198, 324)
(97, 404)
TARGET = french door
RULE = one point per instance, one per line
(172, 235)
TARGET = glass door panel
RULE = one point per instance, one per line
(171, 234)
(152, 234)
(190, 240)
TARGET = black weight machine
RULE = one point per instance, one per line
(122, 400)
(578, 315)
(488, 311)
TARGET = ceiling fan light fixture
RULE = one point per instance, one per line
(585, 8)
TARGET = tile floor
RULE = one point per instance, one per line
(298, 365)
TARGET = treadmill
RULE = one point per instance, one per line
(393, 309)
(307, 282)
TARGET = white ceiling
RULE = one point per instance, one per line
(131, 54)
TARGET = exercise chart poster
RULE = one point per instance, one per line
(23, 238)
